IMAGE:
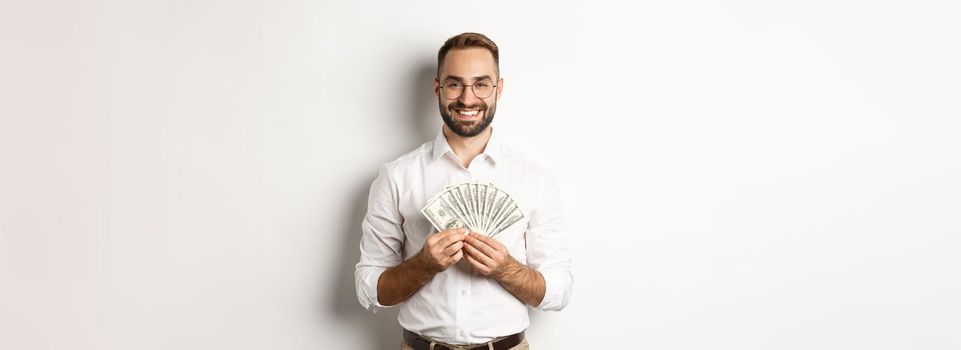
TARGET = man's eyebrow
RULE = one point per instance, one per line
(454, 77)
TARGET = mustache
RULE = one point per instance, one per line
(461, 105)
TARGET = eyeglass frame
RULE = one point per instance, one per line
(493, 92)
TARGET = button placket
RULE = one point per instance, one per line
(462, 313)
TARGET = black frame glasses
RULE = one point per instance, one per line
(464, 88)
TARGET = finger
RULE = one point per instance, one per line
(450, 241)
(491, 241)
(447, 240)
(457, 234)
(438, 236)
(454, 231)
(457, 256)
(480, 237)
(476, 264)
(478, 255)
(453, 248)
(481, 245)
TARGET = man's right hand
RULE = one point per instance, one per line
(443, 249)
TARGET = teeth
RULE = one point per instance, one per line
(468, 113)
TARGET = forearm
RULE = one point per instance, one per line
(398, 283)
(525, 283)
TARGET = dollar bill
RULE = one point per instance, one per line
(480, 207)
(441, 215)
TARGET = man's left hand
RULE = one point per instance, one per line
(490, 258)
(487, 255)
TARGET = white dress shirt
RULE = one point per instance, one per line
(456, 306)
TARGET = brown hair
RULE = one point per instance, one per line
(466, 40)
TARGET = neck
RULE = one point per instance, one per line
(466, 148)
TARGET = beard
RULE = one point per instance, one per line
(467, 129)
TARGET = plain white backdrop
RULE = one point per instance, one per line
(736, 174)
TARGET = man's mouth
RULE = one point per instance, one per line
(467, 113)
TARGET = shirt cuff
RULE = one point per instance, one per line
(557, 290)
(368, 299)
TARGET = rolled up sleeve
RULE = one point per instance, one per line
(382, 240)
(547, 250)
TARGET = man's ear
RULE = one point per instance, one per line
(500, 87)
(436, 87)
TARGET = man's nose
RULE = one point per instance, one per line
(468, 97)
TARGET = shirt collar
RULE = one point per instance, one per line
(493, 150)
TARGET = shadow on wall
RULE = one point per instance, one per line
(423, 112)
(381, 329)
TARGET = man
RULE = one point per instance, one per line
(458, 290)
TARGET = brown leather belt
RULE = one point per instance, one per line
(420, 343)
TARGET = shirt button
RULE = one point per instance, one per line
(463, 292)
(462, 333)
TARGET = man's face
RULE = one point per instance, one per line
(467, 115)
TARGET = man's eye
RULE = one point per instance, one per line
(454, 85)
(483, 84)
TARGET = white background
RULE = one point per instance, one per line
(736, 174)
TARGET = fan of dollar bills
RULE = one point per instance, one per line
(480, 207)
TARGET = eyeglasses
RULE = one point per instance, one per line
(454, 89)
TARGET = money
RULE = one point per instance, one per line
(480, 207)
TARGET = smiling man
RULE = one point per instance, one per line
(458, 289)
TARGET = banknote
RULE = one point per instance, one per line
(480, 207)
